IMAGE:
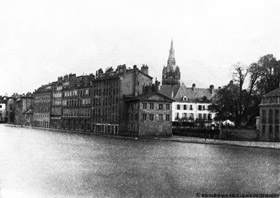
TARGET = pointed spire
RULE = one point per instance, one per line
(171, 59)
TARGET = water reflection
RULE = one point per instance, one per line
(50, 164)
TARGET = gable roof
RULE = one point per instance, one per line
(154, 96)
(191, 94)
(275, 92)
(168, 89)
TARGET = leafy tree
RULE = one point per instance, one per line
(268, 71)
(233, 101)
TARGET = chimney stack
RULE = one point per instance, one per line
(193, 86)
(211, 87)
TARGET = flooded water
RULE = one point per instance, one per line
(36, 163)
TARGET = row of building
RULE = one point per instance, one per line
(124, 101)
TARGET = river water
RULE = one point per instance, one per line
(37, 163)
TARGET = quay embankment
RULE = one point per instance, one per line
(174, 138)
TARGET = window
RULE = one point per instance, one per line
(270, 115)
(151, 117)
(276, 116)
(199, 107)
(204, 116)
(136, 117)
(178, 107)
(160, 117)
(185, 107)
(151, 105)
(144, 105)
(276, 129)
(167, 117)
(270, 130)
(160, 106)
(185, 115)
(144, 116)
(263, 116)
(177, 116)
(191, 107)
(167, 106)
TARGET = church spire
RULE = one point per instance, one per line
(171, 73)
(171, 59)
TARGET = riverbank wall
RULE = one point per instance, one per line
(181, 139)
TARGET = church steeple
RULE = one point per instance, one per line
(171, 72)
(171, 59)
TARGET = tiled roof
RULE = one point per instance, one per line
(275, 92)
(168, 89)
(148, 96)
(192, 94)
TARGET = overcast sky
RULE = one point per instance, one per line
(41, 40)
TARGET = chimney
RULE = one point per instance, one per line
(145, 69)
(66, 78)
(193, 86)
(211, 87)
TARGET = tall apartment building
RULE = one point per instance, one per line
(76, 103)
(107, 94)
(42, 106)
(56, 104)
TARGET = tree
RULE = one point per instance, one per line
(267, 73)
(225, 103)
(239, 100)
(233, 101)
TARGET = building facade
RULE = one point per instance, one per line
(269, 117)
(76, 105)
(56, 105)
(108, 92)
(22, 105)
(148, 114)
(42, 106)
(11, 110)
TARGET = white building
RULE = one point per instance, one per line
(190, 104)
